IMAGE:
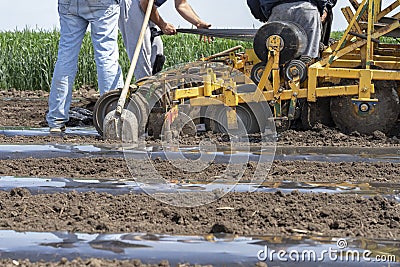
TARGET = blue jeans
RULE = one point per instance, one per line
(75, 16)
(130, 25)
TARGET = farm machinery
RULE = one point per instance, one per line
(354, 84)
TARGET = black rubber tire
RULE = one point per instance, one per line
(294, 40)
(257, 72)
(301, 67)
(383, 118)
(106, 103)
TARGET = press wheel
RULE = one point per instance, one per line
(257, 72)
(293, 40)
(383, 117)
(105, 104)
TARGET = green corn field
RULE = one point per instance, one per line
(336, 35)
(27, 57)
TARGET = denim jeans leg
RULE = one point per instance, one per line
(104, 32)
(72, 31)
(130, 25)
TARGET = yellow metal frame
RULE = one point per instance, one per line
(352, 57)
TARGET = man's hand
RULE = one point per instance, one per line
(168, 29)
(203, 25)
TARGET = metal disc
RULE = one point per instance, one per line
(299, 66)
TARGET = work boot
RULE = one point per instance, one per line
(56, 130)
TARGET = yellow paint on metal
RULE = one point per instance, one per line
(264, 82)
(384, 64)
(206, 101)
(348, 14)
(275, 45)
(257, 96)
(342, 60)
(376, 34)
(366, 87)
(337, 91)
(312, 83)
(376, 57)
(252, 57)
(345, 63)
(286, 94)
(208, 85)
(338, 72)
(231, 98)
(389, 65)
(188, 93)
(385, 75)
(232, 118)
(370, 44)
(346, 33)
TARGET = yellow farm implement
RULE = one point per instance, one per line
(355, 83)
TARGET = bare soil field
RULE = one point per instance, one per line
(116, 168)
(248, 214)
(27, 109)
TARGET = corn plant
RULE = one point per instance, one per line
(27, 57)
(184, 48)
(337, 35)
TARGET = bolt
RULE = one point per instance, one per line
(295, 94)
(364, 107)
(280, 90)
(272, 103)
(295, 72)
